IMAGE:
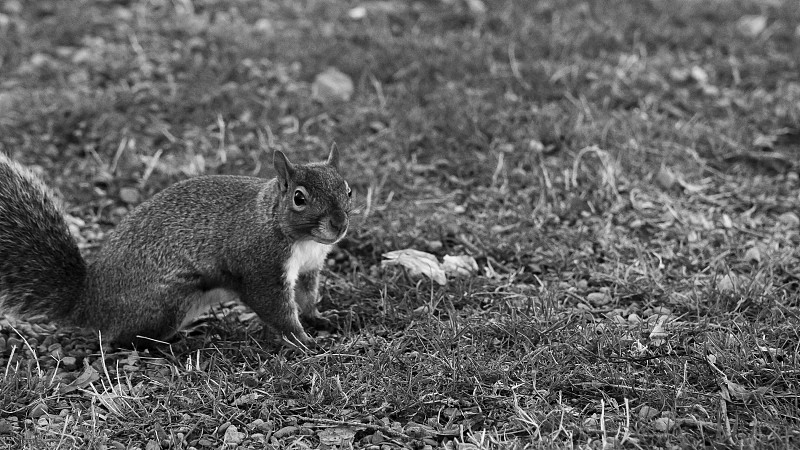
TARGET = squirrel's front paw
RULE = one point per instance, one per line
(320, 322)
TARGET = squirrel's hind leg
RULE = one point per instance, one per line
(164, 322)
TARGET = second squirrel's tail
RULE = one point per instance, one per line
(41, 269)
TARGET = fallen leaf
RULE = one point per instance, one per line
(728, 283)
(476, 6)
(86, 378)
(769, 161)
(699, 75)
(647, 412)
(735, 391)
(789, 218)
(665, 178)
(679, 74)
(246, 399)
(264, 26)
(598, 298)
(288, 430)
(39, 410)
(658, 334)
(233, 436)
(463, 265)
(424, 309)
(357, 13)
(332, 85)
(663, 424)
(726, 221)
(417, 262)
(753, 254)
(418, 430)
(764, 141)
(336, 437)
(751, 25)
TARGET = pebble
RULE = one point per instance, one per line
(789, 218)
(14, 342)
(233, 436)
(598, 298)
(5, 427)
(285, 431)
(38, 410)
(753, 254)
(261, 425)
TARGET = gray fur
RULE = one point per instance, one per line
(229, 234)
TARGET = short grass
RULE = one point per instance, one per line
(625, 173)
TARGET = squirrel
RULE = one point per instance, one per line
(197, 243)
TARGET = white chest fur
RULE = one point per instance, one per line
(305, 256)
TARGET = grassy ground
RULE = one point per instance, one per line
(625, 173)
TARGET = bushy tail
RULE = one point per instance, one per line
(41, 268)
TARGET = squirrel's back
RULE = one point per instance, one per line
(41, 268)
(195, 236)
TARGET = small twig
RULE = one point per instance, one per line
(33, 352)
(151, 166)
(499, 169)
(221, 152)
(512, 61)
(696, 423)
(723, 406)
(378, 90)
(346, 423)
(123, 144)
(609, 175)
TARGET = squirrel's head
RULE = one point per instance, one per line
(315, 199)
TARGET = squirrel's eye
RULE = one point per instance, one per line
(349, 191)
(299, 198)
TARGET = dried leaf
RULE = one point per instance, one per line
(665, 178)
(476, 7)
(659, 333)
(647, 412)
(789, 218)
(736, 391)
(246, 399)
(416, 262)
(663, 424)
(88, 377)
(751, 25)
(753, 254)
(726, 221)
(233, 436)
(357, 13)
(728, 283)
(463, 265)
(769, 161)
(774, 353)
(598, 298)
(338, 436)
(332, 85)
(699, 75)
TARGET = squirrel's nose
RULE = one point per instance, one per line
(338, 221)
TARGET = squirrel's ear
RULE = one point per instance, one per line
(333, 157)
(284, 168)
